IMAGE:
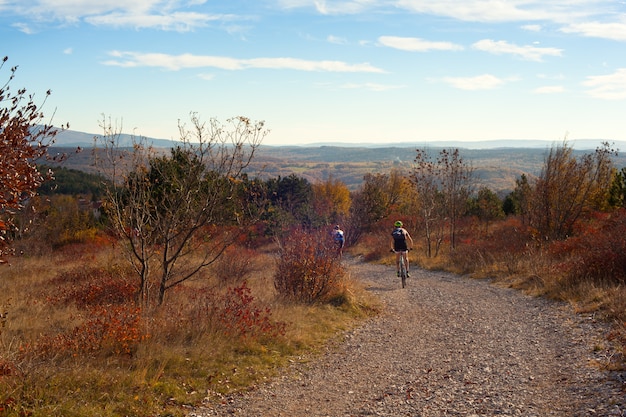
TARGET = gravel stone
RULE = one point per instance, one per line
(446, 345)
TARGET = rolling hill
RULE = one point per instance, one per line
(497, 164)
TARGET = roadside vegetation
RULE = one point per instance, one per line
(172, 277)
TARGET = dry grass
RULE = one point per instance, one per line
(224, 331)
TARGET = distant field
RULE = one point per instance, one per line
(495, 168)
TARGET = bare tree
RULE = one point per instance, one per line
(426, 180)
(443, 186)
(457, 177)
(176, 212)
(24, 139)
(568, 187)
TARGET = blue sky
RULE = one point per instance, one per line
(362, 71)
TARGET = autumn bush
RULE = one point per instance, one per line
(597, 254)
(235, 264)
(85, 287)
(501, 250)
(197, 312)
(308, 269)
(240, 315)
(107, 330)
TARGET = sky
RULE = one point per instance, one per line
(363, 71)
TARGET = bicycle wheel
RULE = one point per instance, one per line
(403, 271)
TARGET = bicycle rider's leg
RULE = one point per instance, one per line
(406, 260)
(398, 254)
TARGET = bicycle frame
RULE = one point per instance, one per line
(403, 269)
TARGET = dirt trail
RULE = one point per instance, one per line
(446, 346)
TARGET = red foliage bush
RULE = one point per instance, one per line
(239, 315)
(108, 329)
(6, 368)
(201, 310)
(505, 244)
(598, 253)
(308, 268)
(92, 286)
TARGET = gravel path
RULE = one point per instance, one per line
(446, 346)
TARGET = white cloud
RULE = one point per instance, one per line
(532, 28)
(165, 15)
(68, 51)
(563, 12)
(181, 22)
(206, 77)
(502, 10)
(608, 87)
(417, 44)
(337, 40)
(606, 30)
(24, 28)
(551, 77)
(343, 7)
(183, 61)
(329, 7)
(480, 82)
(527, 52)
(549, 89)
(372, 87)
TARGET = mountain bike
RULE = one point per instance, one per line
(403, 270)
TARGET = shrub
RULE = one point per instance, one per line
(240, 316)
(235, 264)
(501, 250)
(597, 254)
(107, 330)
(92, 286)
(308, 268)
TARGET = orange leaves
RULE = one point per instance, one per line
(241, 317)
(23, 140)
(108, 329)
(85, 287)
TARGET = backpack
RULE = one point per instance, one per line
(398, 234)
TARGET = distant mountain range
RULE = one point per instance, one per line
(497, 163)
(71, 138)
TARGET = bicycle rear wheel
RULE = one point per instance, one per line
(403, 272)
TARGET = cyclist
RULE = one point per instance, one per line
(338, 236)
(399, 238)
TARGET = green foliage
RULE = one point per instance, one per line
(486, 206)
(72, 182)
(292, 197)
(55, 221)
(308, 269)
